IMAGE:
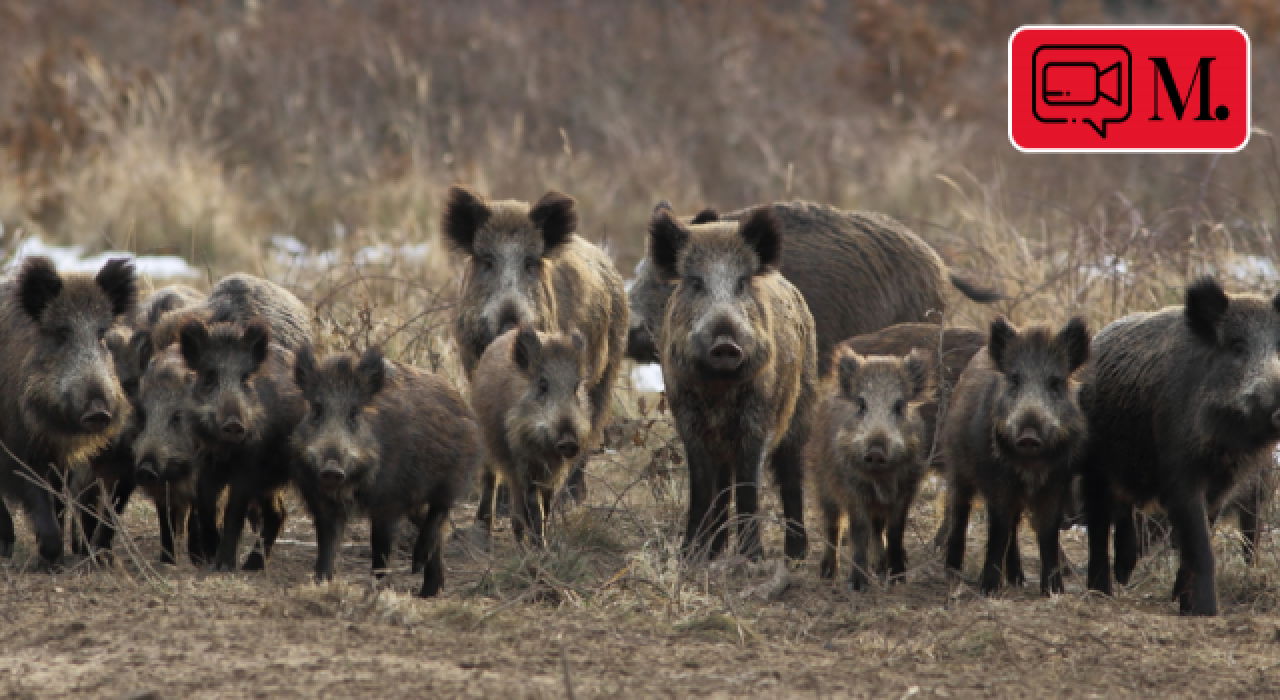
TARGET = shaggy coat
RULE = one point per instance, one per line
(867, 456)
(1013, 433)
(527, 265)
(740, 365)
(60, 399)
(857, 271)
(1184, 408)
(386, 439)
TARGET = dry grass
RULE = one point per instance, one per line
(230, 132)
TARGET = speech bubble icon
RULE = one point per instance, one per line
(1091, 84)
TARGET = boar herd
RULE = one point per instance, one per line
(794, 339)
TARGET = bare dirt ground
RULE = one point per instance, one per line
(609, 611)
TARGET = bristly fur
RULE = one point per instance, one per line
(555, 215)
(465, 212)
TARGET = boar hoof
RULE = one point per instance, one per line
(6, 550)
(222, 567)
(255, 562)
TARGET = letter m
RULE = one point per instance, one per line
(1162, 74)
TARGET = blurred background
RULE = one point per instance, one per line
(293, 137)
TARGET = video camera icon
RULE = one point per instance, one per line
(1092, 84)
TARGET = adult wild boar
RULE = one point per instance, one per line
(857, 271)
(386, 439)
(1183, 407)
(60, 399)
(1013, 434)
(740, 366)
(867, 456)
(527, 264)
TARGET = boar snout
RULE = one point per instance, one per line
(232, 429)
(567, 446)
(725, 354)
(96, 417)
(1029, 440)
(146, 473)
(332, 474)
(876, 457)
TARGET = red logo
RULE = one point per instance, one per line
(1126, 88)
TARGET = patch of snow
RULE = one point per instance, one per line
(73, 259)
(647, 378)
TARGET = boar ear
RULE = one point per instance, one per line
(666, 239)
(847, 363)
(760, 231)
(998, 341)
(579, 342)
(192, 338)
(304, 368)
(1206, 303)
(143, 348)
(706, 216)
(464, 213)
(1074, 338)
(556, 217)
(117, 279)
(257, 336)
(920, 370)
(372, 371)
(38, 284)
(527, 347)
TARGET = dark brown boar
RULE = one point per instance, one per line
(527, 264)
(857, 271)
(1184, 409)
(740, 366)
(244, 408)
(867, 456)
(110, 481)
(1014, 431)
(166, 453)
(60, 399)
(532, 398)
(389, 440)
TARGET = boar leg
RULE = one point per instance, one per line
(1126, 544)
(1047, 515)
(1013, 573)
(1098, 511)
(999, 531)
(165, 514)
(831, 517)
(746, 496)
(788, 472)
(959, 503)
(860, 534)
(207, 492)
(382, 533)
(7, 535)
(1249, 509)
(897, 552)
(429, 550)
(703, 495)
(1198, 594)
(329, 528)
(273, 516)
(233, 519)
(103, 536)
(489, 491)
(44, 520)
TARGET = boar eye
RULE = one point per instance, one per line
(742, 284)
(1015, 380)
(861, 403)
(102, 334)
(544, 386)
(532, 264)
(355, 413)
(1056, 385)
(176, 419)
(1237, 345)
(696, 284)
(317, 411)
(486, 262)
(899, 407)
(210, 379)
(245, 378)
(62, 335)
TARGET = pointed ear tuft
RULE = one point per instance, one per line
(38, 284)
(919, 367)
(527, 347)
(761, 231)
(1001, 335)
(1205, 306)
(192, 338)
(847, 364)
(1074, 338)
(556, 217)
(667, 237)
(257, 337)
(464, 213)
(372, 371)
(118, 281)
(706, 216)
